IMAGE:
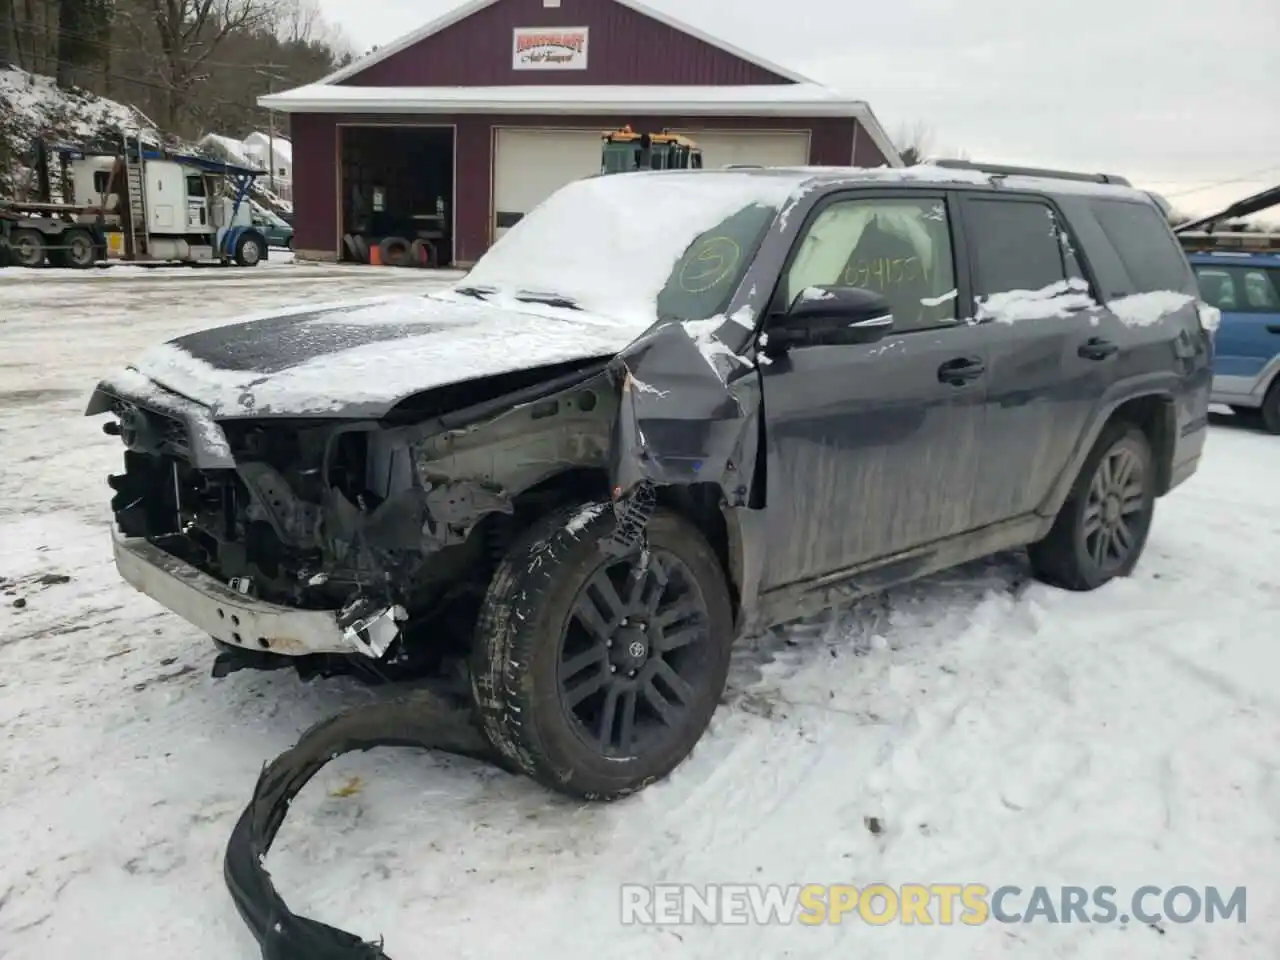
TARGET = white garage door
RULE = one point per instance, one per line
(721, 148)
(530, 165)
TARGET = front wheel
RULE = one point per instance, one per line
(595, 674)
(1101, 530)
(1271, 408)
(249, 249)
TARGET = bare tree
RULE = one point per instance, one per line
(190, 31)
(914, 143)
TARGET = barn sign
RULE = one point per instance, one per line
(549, 48)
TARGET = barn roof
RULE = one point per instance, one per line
(802, 97)
(472, 7)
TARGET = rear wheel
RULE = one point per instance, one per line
(27, 248)
(78, 251)
(594, 674)
(1102, 528)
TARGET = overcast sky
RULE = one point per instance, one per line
(1178, 95)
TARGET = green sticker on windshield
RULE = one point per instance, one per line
(710, 263)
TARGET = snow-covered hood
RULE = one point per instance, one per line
(360, 359)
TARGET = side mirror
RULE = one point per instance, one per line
(833, 315)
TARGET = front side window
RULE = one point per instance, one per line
(1217, 287)
(898, 248)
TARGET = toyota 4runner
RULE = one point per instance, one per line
(664, 409)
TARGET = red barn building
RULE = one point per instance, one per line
(483, 113)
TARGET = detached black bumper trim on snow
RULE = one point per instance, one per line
(422, 720)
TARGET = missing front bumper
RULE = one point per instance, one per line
(242, 621)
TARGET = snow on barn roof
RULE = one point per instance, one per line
(802, 97)
(772, 100)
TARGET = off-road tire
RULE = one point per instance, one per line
(1270, 412)
(516, 653)
(251, 249)
(1063, 557)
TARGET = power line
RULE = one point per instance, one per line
(1243, 178)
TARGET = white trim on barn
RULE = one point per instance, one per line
(458, 14)
(779, 99)
(791, 101)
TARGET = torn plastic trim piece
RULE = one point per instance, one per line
(373, 633)
(422, 720)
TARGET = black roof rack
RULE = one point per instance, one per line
(1003, 170)
(1203, 241)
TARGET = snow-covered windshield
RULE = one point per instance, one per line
(636, 246)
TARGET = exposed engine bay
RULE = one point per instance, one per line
(368, 517)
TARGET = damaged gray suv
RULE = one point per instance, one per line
(665, 409)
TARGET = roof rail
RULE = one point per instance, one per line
(1003, 170)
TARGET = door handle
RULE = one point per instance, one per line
(1273, 328)
(1095, 348)
(961, 370)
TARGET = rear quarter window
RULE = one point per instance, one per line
(1145, 245)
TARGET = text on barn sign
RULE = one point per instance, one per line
(549, 48)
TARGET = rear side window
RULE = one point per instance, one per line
(1018, 245)
(1259, 291)
(1142, 240)
(1239, 289)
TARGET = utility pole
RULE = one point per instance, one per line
(271, 126)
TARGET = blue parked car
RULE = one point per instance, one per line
(1239, 273)
(277, 231)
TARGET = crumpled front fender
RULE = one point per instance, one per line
(689, 413)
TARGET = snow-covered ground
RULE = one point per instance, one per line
(997, 730)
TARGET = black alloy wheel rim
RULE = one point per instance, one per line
(634, 654)
(1113, 510)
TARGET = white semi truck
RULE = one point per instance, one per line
(139, 204)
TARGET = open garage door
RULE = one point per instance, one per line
(530, 165)
(397, 193)
(766, 148)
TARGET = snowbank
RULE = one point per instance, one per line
(33, 106)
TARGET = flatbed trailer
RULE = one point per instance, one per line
(62, 235)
